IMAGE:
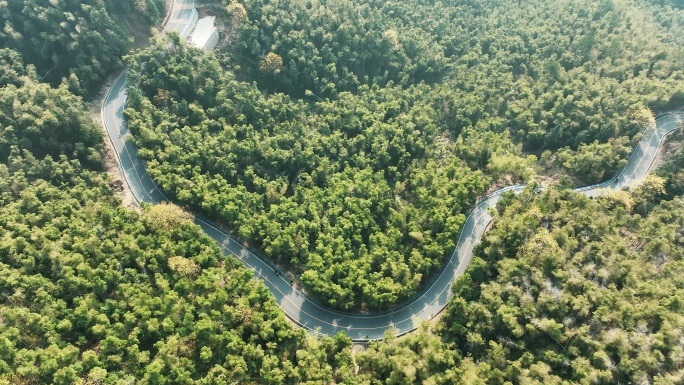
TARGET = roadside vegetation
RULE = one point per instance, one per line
(359, 186)
(347, 141)
(77, 42)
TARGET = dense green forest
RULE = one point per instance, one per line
(337, 191)
(347, 140)
(34, 115)
(94, 293)
(563, 289)
(79, 42)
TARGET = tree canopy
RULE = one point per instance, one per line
(347, 141)
(358, 182)
(93, 293)
(82, 41)
(351, 192)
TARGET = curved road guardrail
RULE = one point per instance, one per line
(303, 310)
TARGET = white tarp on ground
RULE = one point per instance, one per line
(205, 34)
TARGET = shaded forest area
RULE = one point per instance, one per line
(347, 140)
(78, 42)
(325, 193)
(96, 293)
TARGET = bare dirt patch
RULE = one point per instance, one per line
(673, 143)
(117, 181)
(137, 28)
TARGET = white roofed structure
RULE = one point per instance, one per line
(205, 34)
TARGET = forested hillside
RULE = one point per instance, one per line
(81, 42)
(361, 188)
(347, 140)
(552, 76)
(342, 190)
(93, 293)
(564, 290)
(96, 293)
(49, 121)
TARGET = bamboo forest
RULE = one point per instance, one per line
(341, 192)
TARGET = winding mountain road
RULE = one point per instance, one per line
(295, 304)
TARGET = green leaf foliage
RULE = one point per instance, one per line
(91, 292)
(345, 140)
(80, 39)
(345, 191)
(573, 290)
(47, 121)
